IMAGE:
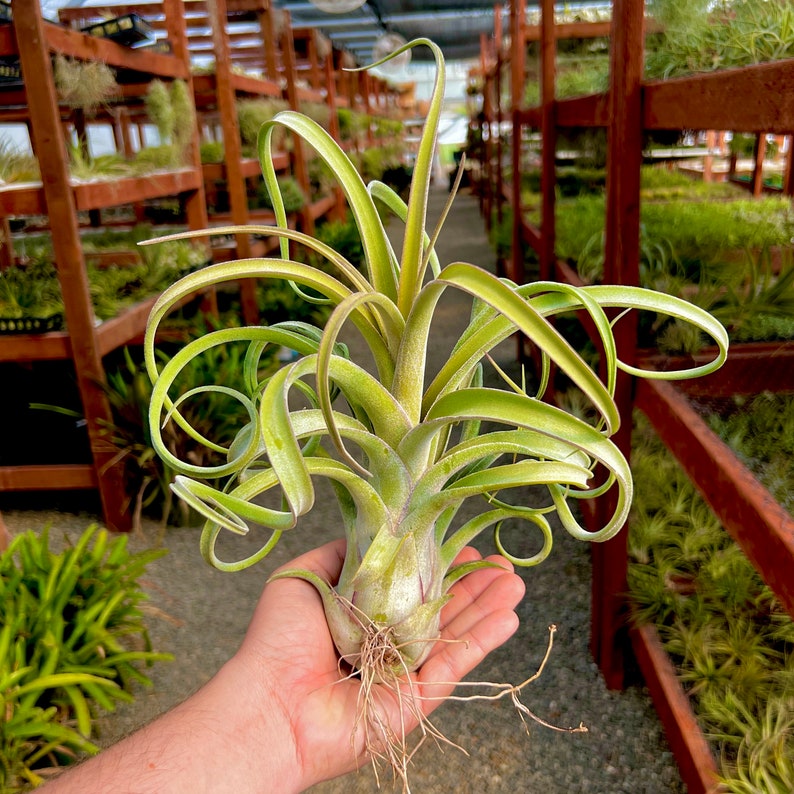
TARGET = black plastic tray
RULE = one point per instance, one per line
(127, 29)
(30, 325)
(10, 73)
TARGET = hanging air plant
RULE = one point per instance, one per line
(337, 6)
(84, 84)
(388, 43)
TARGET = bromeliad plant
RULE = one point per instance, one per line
(403, 455)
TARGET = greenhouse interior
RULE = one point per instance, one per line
(496, 299)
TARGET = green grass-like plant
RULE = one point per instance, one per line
(33, 290)
(73, 643)
(252, 114)
(171, 110)
(161, 110)
(212, 152)
(731, 640)
(291, 193)
(84, 84)
(16, 165)
(403, 447)
(702, 36)
(760, 430)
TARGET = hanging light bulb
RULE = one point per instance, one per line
(387, 44)
(337, 6)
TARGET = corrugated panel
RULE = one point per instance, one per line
(455, 25)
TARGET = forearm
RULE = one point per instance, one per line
(220, 739)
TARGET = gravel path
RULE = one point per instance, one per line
(202, 615)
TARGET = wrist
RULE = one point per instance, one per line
(228, 737)
(255, 738)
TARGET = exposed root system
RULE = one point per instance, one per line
(386, 682)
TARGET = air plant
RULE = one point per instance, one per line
(171, 110)
(730, 638)
(84, 84)
(403, 453)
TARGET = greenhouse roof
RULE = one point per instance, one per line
(455, 25)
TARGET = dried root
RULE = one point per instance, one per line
(385, 677)
(514, 690)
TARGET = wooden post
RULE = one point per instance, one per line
(759, 152)
(621, 266)
(195, 201)
(788, 173)
(314, 63)
(517, 16)
(548, 122)
(340, 208)
(269, 38)
(6, 244)
(50, 148)
(499, 189)
(342, 76)
(486, 168)
(366, 90)
(352, 91)
(232, 151)
(708, 160)
(121, 131)
(299, 167)
(5, 535)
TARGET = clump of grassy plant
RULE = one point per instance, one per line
(754, 299)
(701, 36)
(764, 757)
(30, 291)
(663, 184)
(761, 304)
(731, 641)
(760, 430)
(33, 290)
(384, 127)
(155, 158)
(321, 178)
(405, 448)
(171, 110)
(292, 194)
(160, 109)
(252, 114)
(583, 75)
(84, 84)
(73, 643)
(700, 231)
(318, 111)
(352, 123)
(17, 166)
(212, 152)
(344, 237)
(184, 116)
(106, 166)
(375, 161)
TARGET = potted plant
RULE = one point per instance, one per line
(402, 456)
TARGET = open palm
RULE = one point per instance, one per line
(289, 639)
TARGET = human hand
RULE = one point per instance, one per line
(289, 665)
(278, 716)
